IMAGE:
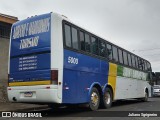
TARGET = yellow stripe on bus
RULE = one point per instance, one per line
(112, 76)
(45, 82)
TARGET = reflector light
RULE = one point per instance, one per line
(9, 88)
(48, 87)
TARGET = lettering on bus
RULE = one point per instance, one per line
(72, 60)
(31, 28)
(29, 42)
(28, 63)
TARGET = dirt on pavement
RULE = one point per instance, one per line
(3, 93)
(8, 106)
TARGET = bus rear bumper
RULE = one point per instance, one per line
(33, 94)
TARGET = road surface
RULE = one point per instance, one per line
(119, 109)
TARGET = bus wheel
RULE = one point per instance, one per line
(54, 106)
(94, 99)
(145, 99)
(107, 98)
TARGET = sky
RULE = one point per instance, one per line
(130, 24)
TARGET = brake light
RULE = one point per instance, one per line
(54, 77)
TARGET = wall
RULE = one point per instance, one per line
(4, 46)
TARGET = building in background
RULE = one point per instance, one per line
(6, 22)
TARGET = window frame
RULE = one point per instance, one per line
(65, 36)
(85, 41)
(117, 59)
(121, 56)
(129, 61)
(133, 62)
(99, 49)
(80, 40)
(108, 44)
(72, 38)
(106, 47)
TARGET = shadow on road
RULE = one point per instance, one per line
(79, 110)
(126, 102)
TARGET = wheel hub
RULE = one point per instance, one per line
(107, 97)
(94, 98)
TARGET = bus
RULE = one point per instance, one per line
(54, 61)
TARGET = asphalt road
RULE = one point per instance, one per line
(119, 109)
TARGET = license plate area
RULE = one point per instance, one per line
(28, 94)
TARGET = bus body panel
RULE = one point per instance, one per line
(38, 80)
(24, 71)
(130, 83)
(31, 35)
(30, 47)
(79, 74)
(57, 50)
(130, 88)
(40, 94)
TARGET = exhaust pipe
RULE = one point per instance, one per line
(14, 99)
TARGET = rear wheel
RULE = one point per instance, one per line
(107, 98)
(94, 99)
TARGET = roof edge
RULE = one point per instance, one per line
(9, 16)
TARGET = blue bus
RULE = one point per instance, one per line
(54, 61)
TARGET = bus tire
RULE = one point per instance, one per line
(107, 98)
(145, 99)
(54, 106)
(94, 99)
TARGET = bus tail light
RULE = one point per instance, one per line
(54, 77)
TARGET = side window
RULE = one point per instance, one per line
(94, 46)
(102, 48)
(145, 63)
(74, 38)
(120, 56)
(139, 63)
(87, 42)
(115, 54)
(82, 42)
(136, 61)
(129, 60)
(148, 66)
(125, 58)
(109, 50)
(68, 41)
(133, 61)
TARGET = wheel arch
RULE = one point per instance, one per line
(146, 90)
(110, 87)
(99, 88)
